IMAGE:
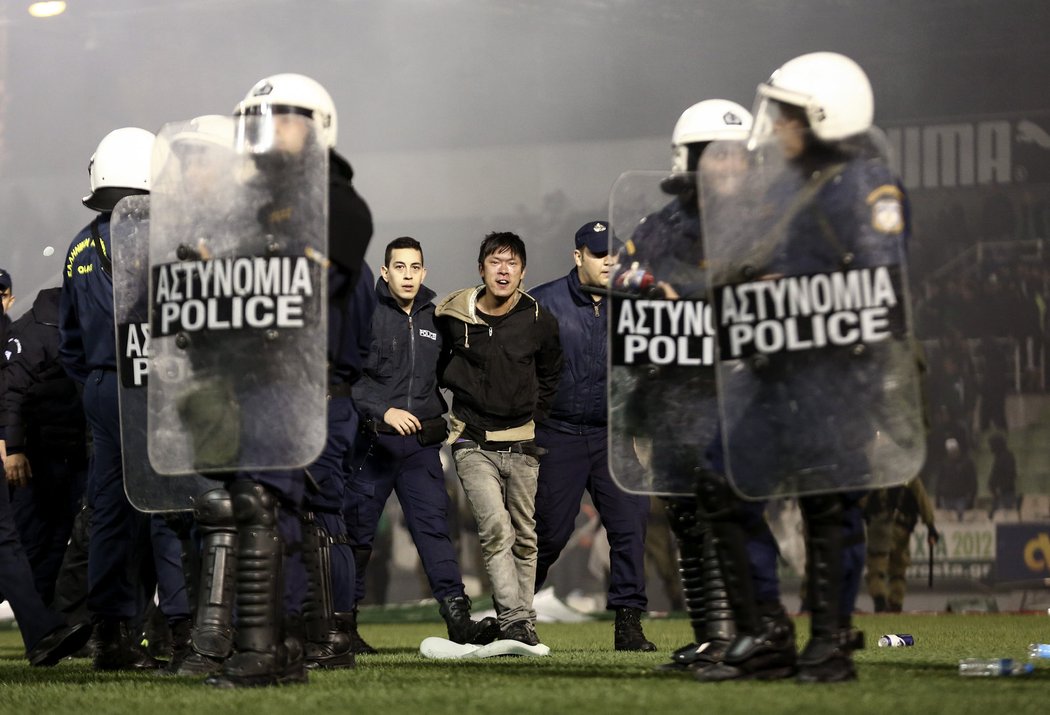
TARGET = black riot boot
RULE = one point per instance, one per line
(627, 632)
(828, 656)
(461, 628)
(181, 645)
(719, 625)
(263, 655)
(118, 648)
(327, 646)
(765, 652)
(681, 515)
(764, 645)
(211, 640)
(703, 588)
(348, 621)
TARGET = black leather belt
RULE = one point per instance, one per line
(528, 448)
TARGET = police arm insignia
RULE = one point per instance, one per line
(887, 211)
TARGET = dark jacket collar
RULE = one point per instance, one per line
(45, 306)
(424, 297)
(576, 289)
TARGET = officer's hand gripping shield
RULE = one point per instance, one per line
(238, 287)
(818, 381)
(663, 411)
(129, 247)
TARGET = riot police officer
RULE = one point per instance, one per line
(834, 208)
(87, 350)
(281, 537)
(668, 246)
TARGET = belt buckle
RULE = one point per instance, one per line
(508, 450)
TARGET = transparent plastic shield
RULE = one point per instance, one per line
(129, 248)
(818, 381)
(663, 411)
(238, 287)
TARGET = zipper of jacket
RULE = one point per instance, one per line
(411, 360)
(591, 389)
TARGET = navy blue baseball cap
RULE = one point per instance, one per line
(595, 235)
(5, 280)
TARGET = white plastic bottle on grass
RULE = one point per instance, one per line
(988, 667)
(1039, 650)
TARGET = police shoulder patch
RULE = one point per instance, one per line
(887, 210)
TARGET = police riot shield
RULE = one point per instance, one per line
(663, 412)
(818, 380)
(129, 250)
(238, 288)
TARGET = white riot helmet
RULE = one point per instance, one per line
(293, 93)
(119, 167)
(832, 90)
(707, 121)
(207, 130)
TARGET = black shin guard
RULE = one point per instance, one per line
(259, 568)
(213, 624)
(262, 657)
(681, 514)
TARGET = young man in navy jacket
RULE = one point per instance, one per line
(398, 395)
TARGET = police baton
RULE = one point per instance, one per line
(931, 540)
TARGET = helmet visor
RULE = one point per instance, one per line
(780, 118)
(273, 128)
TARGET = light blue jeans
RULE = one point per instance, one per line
(501, 489)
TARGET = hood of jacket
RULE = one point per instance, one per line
(463, 305)
(45, 306)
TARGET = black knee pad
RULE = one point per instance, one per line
(682, 515)
(715, 498)
(214, 508)
(253, 504)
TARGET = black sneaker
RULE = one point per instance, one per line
(521, 631)
(628, 634)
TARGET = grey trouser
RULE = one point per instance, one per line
(501, 489)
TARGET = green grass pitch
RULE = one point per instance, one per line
(581, 676)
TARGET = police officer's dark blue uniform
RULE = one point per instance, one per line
(45, 635)
(269, 639)
(43, 419)
(576, 439)
(816, 241)
(351, 305)
(830, 210)
(724, 543)
(87, 351)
